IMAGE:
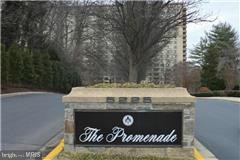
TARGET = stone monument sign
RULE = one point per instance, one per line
(130, 121)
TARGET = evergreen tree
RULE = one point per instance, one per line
(75, 79)
(55, 74)
(225, 39)
(58, 76)
(61, 75)
(209, 70)
(28, 68)
(4, 65)
(33, 69)
(47, 76)
(223, 36)
(216, 54)
(16, 64)
(67, 82)
(39, 70)
(198, 53)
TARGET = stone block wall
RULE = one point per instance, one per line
(187, 108)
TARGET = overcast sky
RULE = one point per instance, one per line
(225, 11)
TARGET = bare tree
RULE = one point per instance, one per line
(25, 23)
(228, 66)
(184, 75)
(145, 24)
(88, 34)
(91, 50)
(119, 62)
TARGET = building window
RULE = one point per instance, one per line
(167, 64)
(156, 74)
(155, 64)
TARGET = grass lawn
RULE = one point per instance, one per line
(79, 156)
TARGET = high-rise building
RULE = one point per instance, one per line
(98, 45)
(173, 53)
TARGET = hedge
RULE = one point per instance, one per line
(220, 93)
(130, 85)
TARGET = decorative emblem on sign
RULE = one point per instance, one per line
(128, 120)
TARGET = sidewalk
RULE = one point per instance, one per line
(232, 99)
(22, 93)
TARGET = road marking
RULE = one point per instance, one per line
(197, 155)
(55, 151)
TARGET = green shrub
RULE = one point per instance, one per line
(81, 156)
(233, 93)
(222, 93)
(130, 85)
(219, 93)
(28, 73)
(204, 94)
(236, 87)
(22, 67)
(15, 64)
(204, 90)
(4, 65)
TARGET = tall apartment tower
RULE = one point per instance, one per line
(173, 53)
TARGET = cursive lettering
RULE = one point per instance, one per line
(93, 135)
(90, 135)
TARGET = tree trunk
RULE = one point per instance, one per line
(133, 72)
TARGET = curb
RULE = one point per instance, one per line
(52, 143)
(55, 151)
(202, 153)
(21, 94)
(197, 155)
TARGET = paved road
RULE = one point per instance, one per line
(29, 121)
(218, 127)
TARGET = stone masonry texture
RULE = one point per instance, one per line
(187, 108)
